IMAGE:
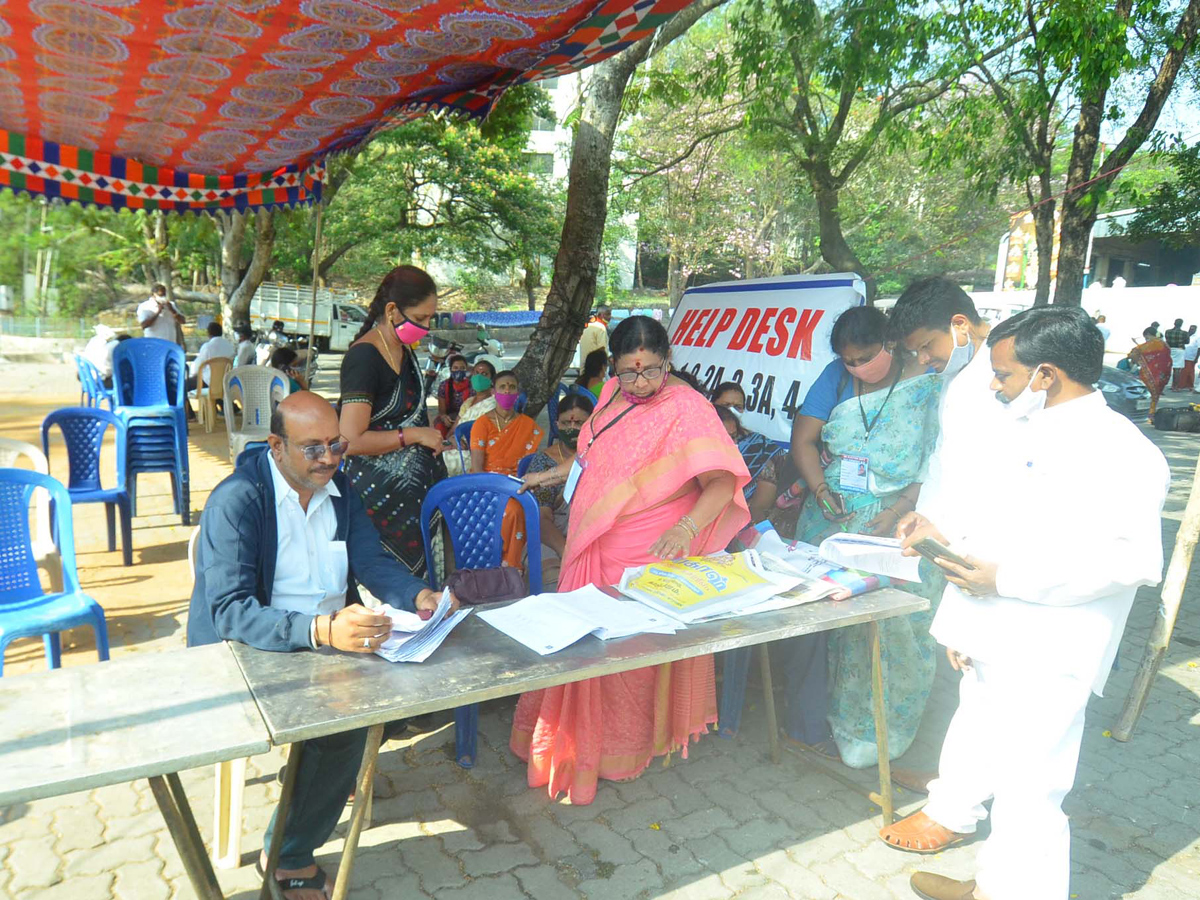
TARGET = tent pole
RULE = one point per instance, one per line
(1164, 622)
(312, 312)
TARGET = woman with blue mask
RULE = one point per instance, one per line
(394, 456)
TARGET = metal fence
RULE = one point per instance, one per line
(45, 326)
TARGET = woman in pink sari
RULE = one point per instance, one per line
(656, 477)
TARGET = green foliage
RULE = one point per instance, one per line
(1170, 209)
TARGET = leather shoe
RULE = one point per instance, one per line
(938, 887)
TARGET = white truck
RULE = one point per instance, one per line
(338, 316)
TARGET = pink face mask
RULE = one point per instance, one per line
(506, 401)
(874, 371)
(409, 332)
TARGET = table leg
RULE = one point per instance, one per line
(881, 734)
(270, 886)
(764, 659)
(362, 800)
(172, 803)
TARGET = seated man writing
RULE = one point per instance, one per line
(284, 542)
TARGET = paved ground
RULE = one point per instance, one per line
(723, 823)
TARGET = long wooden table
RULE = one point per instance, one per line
(307, 695)
(146, 715)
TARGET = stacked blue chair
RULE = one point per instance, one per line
(92, 389)
(85, 394)
(83, 431)
(472, 507)
(25, 610)
(148, 382)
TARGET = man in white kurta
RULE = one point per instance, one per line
(1036, 624)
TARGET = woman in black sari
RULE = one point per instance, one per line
(394, 456)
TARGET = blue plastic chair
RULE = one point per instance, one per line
(25, 610)
(462, 432)
(97, 393)
(472, 507)
(523, 464)
(83, 429)
(148, 383)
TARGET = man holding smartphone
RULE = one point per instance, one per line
(1036, 605)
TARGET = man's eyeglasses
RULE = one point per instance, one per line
(649, 373)
(313, 452)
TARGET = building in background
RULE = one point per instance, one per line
(1113, 257)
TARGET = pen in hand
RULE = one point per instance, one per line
(833, 512)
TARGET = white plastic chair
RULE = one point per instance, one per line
(258, 391)
(229, 784)
(210, 387)
(44, 549)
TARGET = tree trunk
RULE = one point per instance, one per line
(331, 259)
(237, 289)
(1043, 231)
(573, 286)
(674, 277)
(834, 249)
(530, 280)
(1081, 202)
(157, 241)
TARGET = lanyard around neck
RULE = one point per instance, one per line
(862, 412)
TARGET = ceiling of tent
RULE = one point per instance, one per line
(191, 106)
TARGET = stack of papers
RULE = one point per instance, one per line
(806, 560)
(546, 623)
(880, 555)
(699, 588)
(414, 639)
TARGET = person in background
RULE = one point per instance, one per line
(499, 440)
(1105, 331)
(876, 414)
(285, 360)
(655, 478)
(283, 545)
(216, 347)
(394, 456)
(595, 335)
(98, 351)
(1156, 328)
(159, 317)
(453, 392)
(244, 354)
(1187, 380)
(555, 509)
(1036, 621)
(1152, 358)
(483, 392)
(1177, 340)
(276, 337)
(594, 373)
(760, 453)
(763, 488)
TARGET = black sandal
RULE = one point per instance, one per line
(315, 882)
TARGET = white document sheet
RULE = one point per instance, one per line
(546, 623)
(415, 644)
(868, 553)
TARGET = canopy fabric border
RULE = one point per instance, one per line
(60, 171)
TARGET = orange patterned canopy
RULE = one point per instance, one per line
(234, 104)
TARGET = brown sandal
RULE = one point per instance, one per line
(920, 834)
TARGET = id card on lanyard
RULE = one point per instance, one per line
(572, 480)
(580, 462)
(854, 475)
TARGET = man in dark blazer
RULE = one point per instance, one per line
(284, 542)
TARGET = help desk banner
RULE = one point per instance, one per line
(770, 335)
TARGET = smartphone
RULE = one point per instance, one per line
(931, 550)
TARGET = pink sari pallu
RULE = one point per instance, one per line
(612, 727)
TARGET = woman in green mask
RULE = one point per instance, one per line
(573, 410)
(483, 393)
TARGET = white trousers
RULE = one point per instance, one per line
(1015, 738)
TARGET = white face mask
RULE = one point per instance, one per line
(959, 356)
(1028, 401)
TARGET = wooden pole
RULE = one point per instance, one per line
(1168, 611)
(312, 311)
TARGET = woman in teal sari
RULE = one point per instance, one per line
(877, 418)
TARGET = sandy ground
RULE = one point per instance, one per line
(146, 603)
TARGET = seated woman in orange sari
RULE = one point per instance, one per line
(655, 477)
(1153, 358)
(499, 439)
